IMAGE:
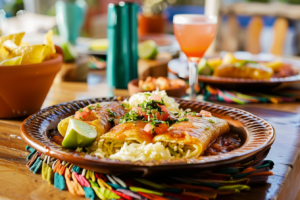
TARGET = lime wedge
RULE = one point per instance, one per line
(13, 61)
(63, 126)
(204, 68)
(99, 44)
(214, 62)
(79, 134)
(147, 49)
(69, 52)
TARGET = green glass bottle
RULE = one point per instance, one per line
(122, 56)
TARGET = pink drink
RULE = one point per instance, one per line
(194, 34)
(194, 39)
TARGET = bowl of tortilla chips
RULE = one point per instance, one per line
(26, 74)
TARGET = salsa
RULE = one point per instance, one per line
(223, 144)
(285, 71)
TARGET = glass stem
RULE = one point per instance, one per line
(193, 79)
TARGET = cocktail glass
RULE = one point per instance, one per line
(194, 34)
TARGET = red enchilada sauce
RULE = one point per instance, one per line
(223, 144)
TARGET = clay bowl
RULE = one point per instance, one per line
(133, 88)
(23, 88)
(257, 136)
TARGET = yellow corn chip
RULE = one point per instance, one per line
(13, 61)
(4, 54)
(30, 53)
(229, 58)
(9, 45)
(48, 40)
(48, 52)
(16, 38)
(275, 65)
(24, 44)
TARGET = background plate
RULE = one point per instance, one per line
(257, 134)
(179, 67)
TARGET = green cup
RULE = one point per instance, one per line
(70, 16)
(122, 55)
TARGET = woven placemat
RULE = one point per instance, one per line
(203, 185)
(230, 96)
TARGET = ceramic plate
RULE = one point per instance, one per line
(179, 67)
(257, 135)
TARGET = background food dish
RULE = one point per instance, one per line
(179, 68)
(133, 88)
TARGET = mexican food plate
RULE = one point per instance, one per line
(148, 134)
(242, 71)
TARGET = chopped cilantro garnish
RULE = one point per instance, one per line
(98, 105)
(207, 128)
(178, 114)
(132, 116)
(183, 120)
(111, 113)
(125, 105)
(80, 118)
(171, 121)
(148, 111)
(211, 121)
(91, 107)
(187, 113)
(155, 122)
(112, 121)
(243, 63)
(80, 110)
(152, 105)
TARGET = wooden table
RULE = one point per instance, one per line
(17, 182)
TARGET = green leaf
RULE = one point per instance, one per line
(91, 107)
(211, 121)
(111, 113)
(183, 120)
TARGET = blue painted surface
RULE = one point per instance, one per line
(243, 20)
(269, 20)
